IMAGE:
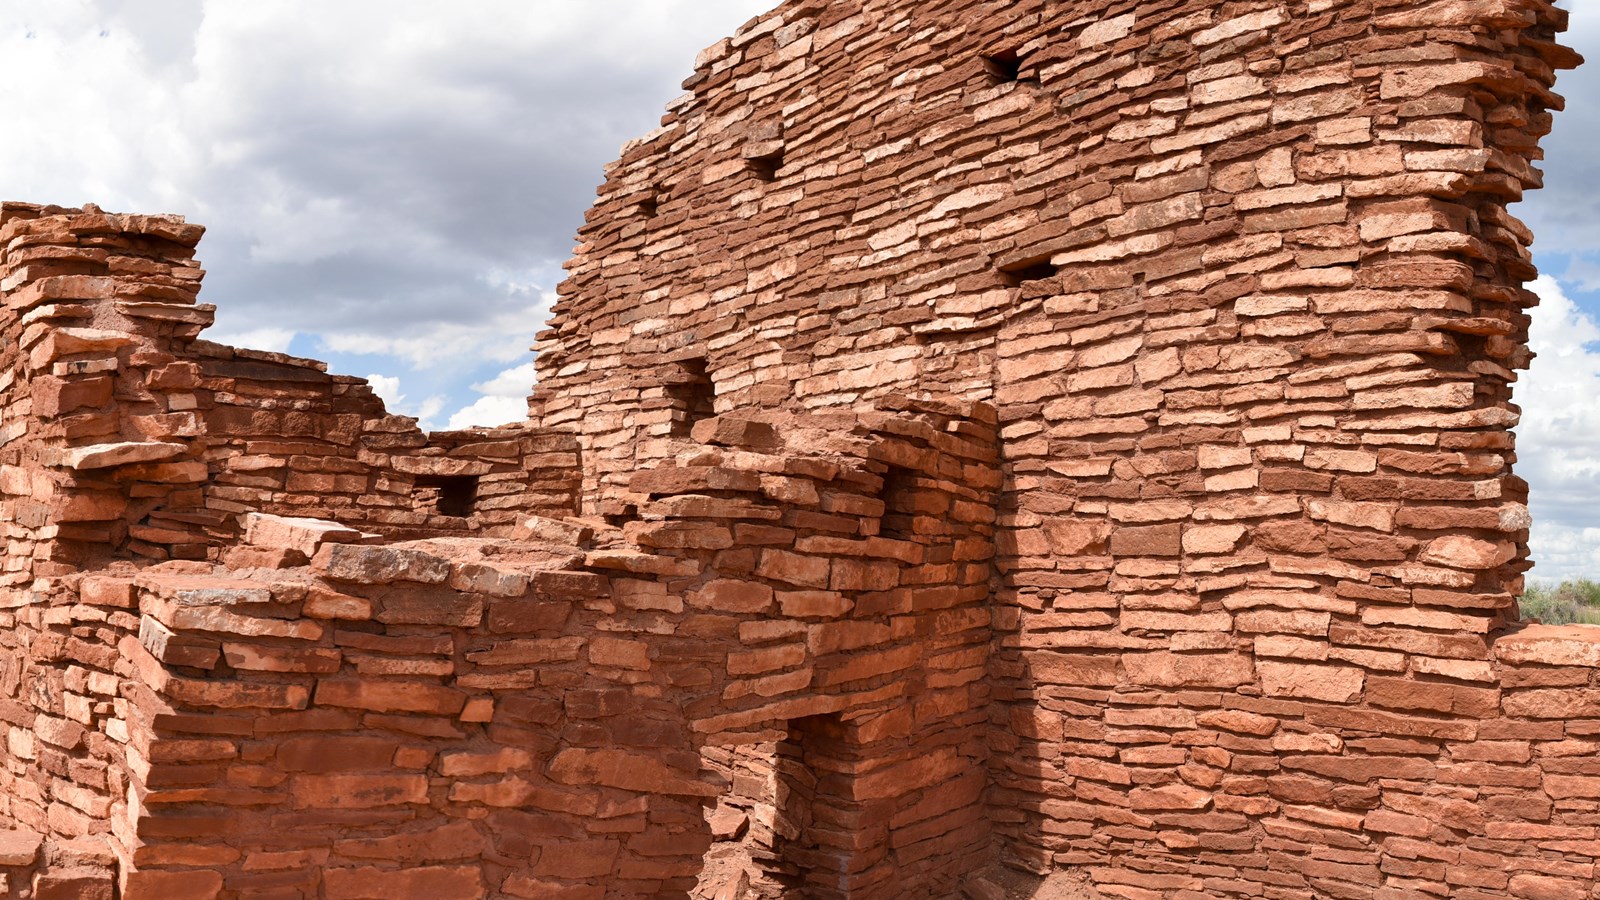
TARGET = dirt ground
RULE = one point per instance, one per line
(1019, 885)
(730, 874)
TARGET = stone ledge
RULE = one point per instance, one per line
(105, 456)
(1550, 645)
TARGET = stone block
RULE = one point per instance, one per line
(434, 882)
(19, 847)
(1213, 670)
(76, 883)
(379, 565)
(391, 696)
(304, 535)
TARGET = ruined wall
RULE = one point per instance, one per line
(127, 434)
(288, 707)
(127, 440)
(464, 717)
(285, 437)
(88, 452)
(1240, 279)
(1190, 566)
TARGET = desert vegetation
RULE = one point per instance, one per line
(1570, 602)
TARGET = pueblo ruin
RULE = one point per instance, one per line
(975, 438)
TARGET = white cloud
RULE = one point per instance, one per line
(427, 412)
(489, 412)
(1566, 214)
(517, 382)
(387, 387)
(1583, 274)
(1564, 551)
(504, 338)
(504, 400)
(276, 340)
(400, 178)
(1558, 440)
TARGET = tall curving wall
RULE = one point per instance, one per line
(1240, 279)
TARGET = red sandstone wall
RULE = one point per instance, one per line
(285, 437)
(1241, 281)
(468, 718)
(1229, 614)
(130, 436)
(128, 441)
(90, 451)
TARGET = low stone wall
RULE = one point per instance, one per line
(380, 721)
(1462, 777)
(468, 717)
(284, 437)
(129, 435)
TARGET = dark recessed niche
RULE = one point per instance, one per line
(619, 519)
(693, 396)
(1005, 67)
(1032, 270)
(899, 504)
(766, 166)
(448, 495)
(650, 206)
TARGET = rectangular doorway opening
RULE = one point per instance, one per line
(786, 827)
(741, 859)
(813, 829)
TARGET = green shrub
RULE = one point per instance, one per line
(1570, 602)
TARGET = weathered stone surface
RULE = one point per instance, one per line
(619, 769)
(1337, 684)
(304, 535)
(105, 456)
(441, 882)
(74, 883)
(1181, 670)
(1112, 474)
(379, 565)
(1549, 646)
(19, 848)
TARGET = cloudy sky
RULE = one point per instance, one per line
(1558, 442)
(392, 186)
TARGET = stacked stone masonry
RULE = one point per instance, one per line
(1068, 438)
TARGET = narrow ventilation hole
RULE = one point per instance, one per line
(766, 166)
(693, 396)
(1004, 67)
(1034, 270)
(448, 495)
